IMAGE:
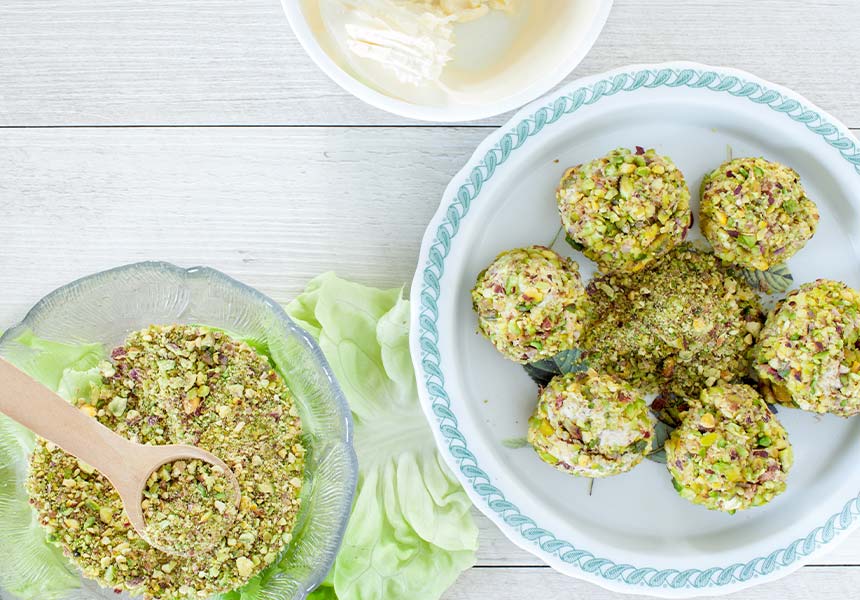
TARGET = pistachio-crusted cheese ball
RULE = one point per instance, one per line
(591, 425)
(625, 209)
(730, 453)
(755, 213)
(679, 326)
(529, 303)
(808, 353)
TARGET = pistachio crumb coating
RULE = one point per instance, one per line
(677, 327)
(186, 385)
(591, 424)
(625, 209)
(808, 354)
(730, 452)
(529, 303)
(187, 506)
(755, 213)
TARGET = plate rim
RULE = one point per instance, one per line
(463, 188)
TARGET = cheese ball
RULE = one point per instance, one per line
(808, 355)
(591, 425)
(755, 213)
(529, 303)
(626, 209)
(729, 453)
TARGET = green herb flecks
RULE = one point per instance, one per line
(569, 361)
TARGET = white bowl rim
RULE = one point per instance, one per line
(440, 114)
(667, 583)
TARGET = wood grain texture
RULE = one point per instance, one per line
(516, 584)
(275, 206)
(125, 62)
(271, 206)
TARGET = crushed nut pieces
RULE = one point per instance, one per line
(529, 303)
(809, 352)
(730, 453)
(188, 505)
(591, 425)
(186, 385)
(682, 325)
(755, 212)
(625, 209)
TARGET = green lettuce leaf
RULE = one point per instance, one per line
(411, 532)
(36, 569)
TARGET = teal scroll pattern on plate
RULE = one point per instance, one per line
(434, 379)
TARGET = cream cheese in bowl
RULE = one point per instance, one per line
(447, 60)
(410, 41)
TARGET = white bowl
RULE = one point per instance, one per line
(634, 534)
(500, 62)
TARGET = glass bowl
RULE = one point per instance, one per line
(104, 308)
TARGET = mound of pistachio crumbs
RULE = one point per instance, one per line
(682, 325)
(187, 506)
(625, 209)
(186, 385)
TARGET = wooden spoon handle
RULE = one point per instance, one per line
(40, 410)
(127, 465)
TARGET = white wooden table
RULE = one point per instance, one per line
(198, 132)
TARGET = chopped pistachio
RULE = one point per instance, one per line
(543, 313)
(812, 337)
(181, 509)
(117, 406)
(737, 465)
(757, 222)
(154, 401)
(676, 327)
(590, 424)
(244, 566)
(626, 209)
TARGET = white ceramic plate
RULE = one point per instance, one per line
(634, 534)
(500, 62)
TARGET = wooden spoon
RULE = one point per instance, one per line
(126, 464)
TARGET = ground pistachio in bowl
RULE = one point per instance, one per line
(187, 505)
(187, 385)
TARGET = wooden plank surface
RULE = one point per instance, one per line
(515, 584)
(302, 190)
(271, 206)
(120, 62)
